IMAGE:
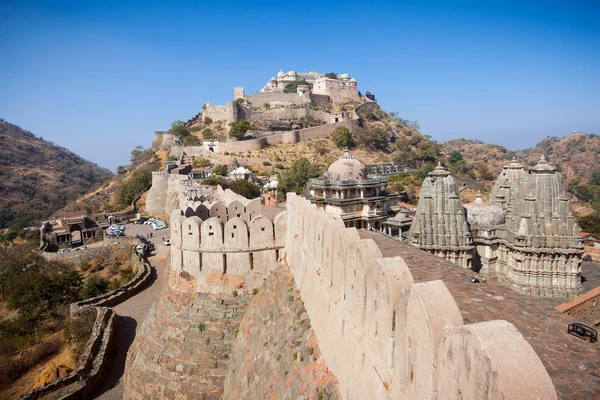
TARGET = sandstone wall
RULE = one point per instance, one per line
(163, 140)
(221, 254)
(183, 348)
(584, 308)
(259, 99)
(227, 113)
(79, 257)
(287, 113)
(276, 353)
(404, 339)
(155, 200)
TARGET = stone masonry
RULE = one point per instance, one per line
(276, 354)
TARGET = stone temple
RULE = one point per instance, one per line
(301, 306)
(347, 191)
(526, 237)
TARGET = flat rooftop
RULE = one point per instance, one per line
(572, 363)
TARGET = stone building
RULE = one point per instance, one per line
(440, 224)
(526, 237)
(347, 191)
(342, 87)
(71, 230)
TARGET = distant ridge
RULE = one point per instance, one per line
(38, 177)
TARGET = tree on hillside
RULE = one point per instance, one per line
(455, 157)
(245, 188)
(220, 169)
(295, 178)
(595, 178)
(292, 87)
(239, 128)
(179, 129)
(371, 139)
(331, 75)
(342, 138)
(139, 155)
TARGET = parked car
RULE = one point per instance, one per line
(167, 242)
(64, 250)
(140, 221)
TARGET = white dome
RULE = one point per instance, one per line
(347, 168)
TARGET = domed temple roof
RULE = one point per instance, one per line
(347, 168)
(483, 214)
(543, 166)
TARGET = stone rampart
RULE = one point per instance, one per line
(287, 113)
(220, 254)
(227, 113)
(259, 99)
(79, 257)
(155, 201)
(96, 357)
(163, 140)
(317, 132)
(584, 308)
(276, 353)
(404, 339)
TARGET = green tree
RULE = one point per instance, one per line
(455, 157)
(191, 141)
(129, 189)
(372, 139)
(595, 178)
(584, 193)
(590, 223)
(215, 180)
(245, 188)
(220, 170)
(179, 129)
(292, 87)
(295, 178)
(95, 286)
(139, 155)
(331, 75)
(239, 128)
(341, 137)
(208, 134)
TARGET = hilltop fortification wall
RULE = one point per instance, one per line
(287, 113)
(221, 254)
(404, 339)
(259, 99)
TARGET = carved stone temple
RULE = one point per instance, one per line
(526, 237)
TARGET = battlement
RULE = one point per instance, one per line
(224, 252)
(404, 339)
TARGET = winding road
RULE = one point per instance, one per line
(130, 315)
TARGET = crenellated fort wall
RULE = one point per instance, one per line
(404, 339)
(224, 252)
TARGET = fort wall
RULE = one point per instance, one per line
(223, 252)
(287, 113)
(227, 113)
(259, 99)
(276, 353)
(404, 339)
(585, 307)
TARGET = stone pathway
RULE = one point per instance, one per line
(130, 315)
(573, 364)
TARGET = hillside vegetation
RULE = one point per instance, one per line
(39, 177)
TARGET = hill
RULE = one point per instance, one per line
(38, 177)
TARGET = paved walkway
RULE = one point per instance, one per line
(573, 364)
(130, 315)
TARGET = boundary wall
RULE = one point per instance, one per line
(292, 137)
(404, 339)
(585, 307)
(94, 362)
(217, 255)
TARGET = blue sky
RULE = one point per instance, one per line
(100, 77)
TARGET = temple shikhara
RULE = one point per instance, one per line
(526, 237)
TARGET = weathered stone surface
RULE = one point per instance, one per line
(276, 354)
(184, 347)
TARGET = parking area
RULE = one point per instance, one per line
(144, 230)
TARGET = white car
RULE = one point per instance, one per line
(167, 242)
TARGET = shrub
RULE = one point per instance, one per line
(220, 169)
(192, 141)
(341, 137)
(179, 129)
(94, 286)
(266, 163)
(245, 188)
(208, 134)
(208, 120)
(295, 178)
(239, 128)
